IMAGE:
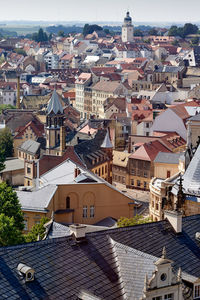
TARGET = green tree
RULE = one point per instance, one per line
(2, 59)
(189, 28)
(173, 31)
(10, 206)
(138, 32)
(87, 29)
(175, 43)
(11, 217)
(6, 142)
(153, 31)
(37, 230)
(61, 33)
(6, 106)
(195, 41)
(124, 222)
(9, 233)
(40, 36)
(20, 51)
(107, 31)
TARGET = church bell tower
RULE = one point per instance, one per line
(127, 29)
(54, 123)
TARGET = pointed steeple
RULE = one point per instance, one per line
(54, 106)
(163, 260)
(107, 142)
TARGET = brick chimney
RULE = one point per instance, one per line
(175, 219)
(77, 171)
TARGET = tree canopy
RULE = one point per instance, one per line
(40, 36)
(187, 29)
(6, 142)
(138, 32)
(11, 217)
(124, 222)
(36, 230)
(87, 29)
(153, 31)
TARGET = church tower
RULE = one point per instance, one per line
(127, 29)
(54, 123)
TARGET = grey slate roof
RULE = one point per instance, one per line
(195, 118)
(191, 177)
(106, 142)
(169, 69)
(38, 200)
(99, 266)
(167, 158)
(13, 164)
(30, 146)
(62, 230)
(54, 106)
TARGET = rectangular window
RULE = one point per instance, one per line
(157, 298)
(91, 211)
(145, 185)
(169, 297)
(133, 171)
(168, 174)
(132, 182)
(84, 211)
(197, 291)
(28, 170)
(67, 202)
(138, 182)
(156, 206)
(25, 224)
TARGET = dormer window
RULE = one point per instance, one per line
(197, 292)
(169, 297)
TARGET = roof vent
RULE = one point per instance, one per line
(26, 271)
(197, 236)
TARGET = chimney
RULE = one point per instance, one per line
(77, 171)
(78, 231)
(62, 139)
(175, 219)
(18, 92)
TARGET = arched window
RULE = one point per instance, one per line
(68, 202)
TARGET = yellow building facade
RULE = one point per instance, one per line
(83, 203)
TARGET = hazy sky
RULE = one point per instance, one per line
(101, 10)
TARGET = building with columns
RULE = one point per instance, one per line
(127, 29)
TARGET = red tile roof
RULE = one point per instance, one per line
(48, 162)
(36, 126)
(148, 151)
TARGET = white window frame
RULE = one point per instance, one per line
(85, 209)
(196, 291)
(92, 211)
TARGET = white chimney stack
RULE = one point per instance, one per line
(175, 219)
(78, 230)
